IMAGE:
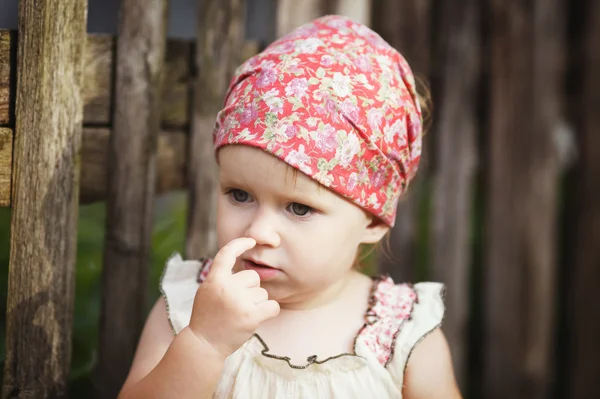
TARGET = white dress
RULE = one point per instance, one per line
(399, 317)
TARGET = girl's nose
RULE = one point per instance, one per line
(263, 229)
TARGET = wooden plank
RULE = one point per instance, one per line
(249, 49)
(520, 256)
(177, 84)
(7, 61)
(98, 81)
(218, 45)
(170, 167)
(583, 261)
(45, 198)
(170, 163)
(544, 168)
(455, 166)
(131, 176)
(358, 10)
(6, 148)
(292, 13)
(404, 25)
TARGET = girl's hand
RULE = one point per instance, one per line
(228, 308)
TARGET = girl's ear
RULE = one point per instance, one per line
(374, 231)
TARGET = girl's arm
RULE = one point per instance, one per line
(429, 373)
(167, 366)
(227, 310)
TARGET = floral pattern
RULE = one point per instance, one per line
(335, 101)
(392, 304)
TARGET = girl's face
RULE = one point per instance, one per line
(307, 234)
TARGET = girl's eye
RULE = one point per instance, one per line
(300, 209)
(239, 195)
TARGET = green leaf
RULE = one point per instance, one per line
(320, 73)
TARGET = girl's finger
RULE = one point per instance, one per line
(247, 278)
(258, 294)
(226, 257)
(267, 310)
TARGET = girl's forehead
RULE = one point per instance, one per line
(246, 165)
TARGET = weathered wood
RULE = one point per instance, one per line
(98, 81)
(404, 24)
(45, 198)
(544, 168)
(249, 49)
(177, 84)
(219, 41)
(97, 73)
(583, 262)
(170, 168)
(292, 13)
(7, 62)
(520, 255)
(359, 10)
(453, 177)
(130, 182)
(170, 163)
(6, 148)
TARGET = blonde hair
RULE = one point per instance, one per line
(425, 102)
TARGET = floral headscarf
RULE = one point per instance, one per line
(335, 101)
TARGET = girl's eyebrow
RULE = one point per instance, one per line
(230, 184)
(308, 194)
(226, 181)
(230, 179)
(304, 193)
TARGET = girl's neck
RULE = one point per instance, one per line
(325, 326)
(324, 299)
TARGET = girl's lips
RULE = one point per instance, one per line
(264, 272)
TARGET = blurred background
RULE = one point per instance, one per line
(506, 208)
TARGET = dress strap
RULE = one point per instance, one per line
(390, 307)
(427, 315)
(178, 285)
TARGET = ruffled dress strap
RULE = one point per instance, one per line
(427, 314)
(178, 285)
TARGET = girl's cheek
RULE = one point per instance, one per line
(226, 222)
(231, 220)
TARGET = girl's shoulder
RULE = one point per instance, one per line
(420, 362)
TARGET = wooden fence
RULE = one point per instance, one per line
(510, 214)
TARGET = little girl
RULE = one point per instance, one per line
(320, 136)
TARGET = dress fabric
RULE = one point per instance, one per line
(398, 318)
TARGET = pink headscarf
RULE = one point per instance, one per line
(335, 101)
